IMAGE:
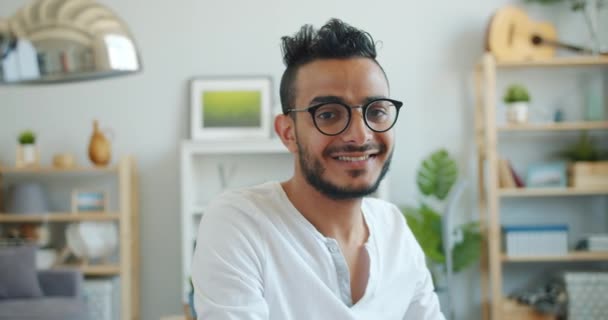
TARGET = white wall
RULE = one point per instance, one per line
(428, 50)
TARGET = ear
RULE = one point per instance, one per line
(285, 129)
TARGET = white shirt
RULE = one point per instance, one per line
(258, 258)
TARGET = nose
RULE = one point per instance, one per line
(357, 132)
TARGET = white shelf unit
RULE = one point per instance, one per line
(247, 162)
(251, 162)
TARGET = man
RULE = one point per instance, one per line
(312, 247)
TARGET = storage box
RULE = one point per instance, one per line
(589, 175)
(547, 175)
(598, 243)
(543, 240)
(102, 297)
(587, 295)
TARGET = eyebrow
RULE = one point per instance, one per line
(327, 99)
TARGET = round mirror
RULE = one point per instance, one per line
(65, 40)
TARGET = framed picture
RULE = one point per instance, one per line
(547, 175)
(89, 201)
(230, 108)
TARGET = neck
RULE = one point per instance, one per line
(338, 219)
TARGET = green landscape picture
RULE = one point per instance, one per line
(232, 109)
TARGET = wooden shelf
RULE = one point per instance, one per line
(58, 217)
(50, 169)
(550, 192)
(95, 270)
(562, 126)
(573, 256)
(557, 62)
(488, 134)
(126, 214)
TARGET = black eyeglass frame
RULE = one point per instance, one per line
(312, 109)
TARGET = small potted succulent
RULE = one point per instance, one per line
(27, 151)
(517, 99)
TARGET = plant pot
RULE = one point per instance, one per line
(517, 112)
(27, 155)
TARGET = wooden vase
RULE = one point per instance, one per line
(100, 149)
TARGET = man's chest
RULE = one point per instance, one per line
(314, 284)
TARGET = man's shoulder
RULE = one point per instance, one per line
(380, 207)
(389, 226)
(245, 200)
(382, 212)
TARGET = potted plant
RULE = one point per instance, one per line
(27, 151)
(588, 166)
(517, 99)
(436, 176)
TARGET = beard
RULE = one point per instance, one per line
(313, 171)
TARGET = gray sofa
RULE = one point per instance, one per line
(63, 299)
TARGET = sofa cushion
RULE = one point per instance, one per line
(18, 275)
(53, 308)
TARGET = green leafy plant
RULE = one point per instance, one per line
(27, 137)
(516, 93)
(584, 150)
(436, 176)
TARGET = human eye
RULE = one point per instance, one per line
(379, 110)
(326, 115)
(329, 112)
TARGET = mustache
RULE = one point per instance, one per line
(379, 147)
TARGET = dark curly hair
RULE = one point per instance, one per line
(335, 40)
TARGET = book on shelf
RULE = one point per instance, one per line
(519, 182)
(507, 176)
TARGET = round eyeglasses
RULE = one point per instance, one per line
(332, 118)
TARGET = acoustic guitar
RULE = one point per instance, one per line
(513, 36)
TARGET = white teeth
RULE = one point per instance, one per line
(352, 159)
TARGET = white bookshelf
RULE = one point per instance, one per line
(245, 163)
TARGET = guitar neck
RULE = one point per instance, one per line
(538, 40)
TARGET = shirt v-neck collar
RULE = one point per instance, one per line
(334, 251)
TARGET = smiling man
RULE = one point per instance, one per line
(313, 247)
